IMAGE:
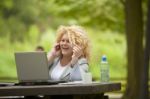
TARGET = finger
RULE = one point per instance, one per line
(77, 48)
(76, 51)
(57, 47)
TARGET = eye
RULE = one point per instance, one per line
(68, 41)
(62, 40)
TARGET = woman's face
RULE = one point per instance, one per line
(66, 46)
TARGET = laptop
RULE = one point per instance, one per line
(32, 68)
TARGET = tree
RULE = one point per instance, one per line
(145, 69)
(101, 14)
(16, 16)
(135, 53)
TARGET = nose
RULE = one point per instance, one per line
(65, 42)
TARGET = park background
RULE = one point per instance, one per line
(25, 24)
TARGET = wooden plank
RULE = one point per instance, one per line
(76, 89)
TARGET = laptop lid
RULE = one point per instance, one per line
(32, 66)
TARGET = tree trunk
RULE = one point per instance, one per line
(134, 34)
(145, 69)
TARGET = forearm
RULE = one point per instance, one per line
(50, 57)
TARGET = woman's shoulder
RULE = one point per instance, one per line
(56, 59)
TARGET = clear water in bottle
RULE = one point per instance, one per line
(104, 69)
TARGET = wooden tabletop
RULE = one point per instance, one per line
(60, 89)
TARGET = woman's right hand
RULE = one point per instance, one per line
(55, 52)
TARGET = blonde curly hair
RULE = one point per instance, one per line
(77, 36)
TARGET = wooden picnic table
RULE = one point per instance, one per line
(90, 91)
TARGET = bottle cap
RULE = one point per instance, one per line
(104, 58)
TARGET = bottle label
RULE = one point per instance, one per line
(104, 75)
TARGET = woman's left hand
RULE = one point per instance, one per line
(77, 52)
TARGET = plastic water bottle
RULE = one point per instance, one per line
(104, 69)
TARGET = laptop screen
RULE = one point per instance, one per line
(32, 66)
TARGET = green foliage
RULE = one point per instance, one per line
(7, 62)
(18, 15)
(7, 68)
(111, 44)
(22, 14)
(98, 13)
(28, 23)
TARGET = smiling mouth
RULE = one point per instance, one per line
(65, 48)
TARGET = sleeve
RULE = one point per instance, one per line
(78, 69)
(51, 64)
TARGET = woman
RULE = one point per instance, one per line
(69, 57)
